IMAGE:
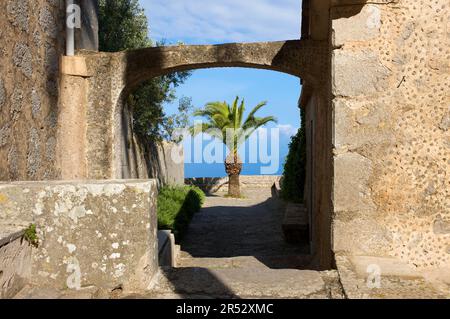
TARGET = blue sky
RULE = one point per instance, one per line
(222, 21)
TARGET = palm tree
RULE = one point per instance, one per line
(225, 122)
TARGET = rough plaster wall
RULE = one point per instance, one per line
(31, 40)
(391, 82)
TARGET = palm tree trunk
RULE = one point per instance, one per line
(233, 167)
(234, 188)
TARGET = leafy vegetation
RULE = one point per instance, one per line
(226, 123)
(30, 235)
(294, 175)
(123, 25)
(176, 207)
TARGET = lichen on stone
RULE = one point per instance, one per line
(18, 13)
(2, 94)
(22, 59)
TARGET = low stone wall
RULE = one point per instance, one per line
(15, 262)
(100, 234)
(220, 184)
(168, 250)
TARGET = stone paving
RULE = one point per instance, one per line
(235, 249)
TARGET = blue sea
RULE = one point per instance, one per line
(218, 170)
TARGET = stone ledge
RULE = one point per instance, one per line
(10, 233)
(15, 262)
(168, 251)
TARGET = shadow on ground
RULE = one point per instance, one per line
(229, 228)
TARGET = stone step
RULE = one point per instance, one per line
(243, 283)
(273, 262)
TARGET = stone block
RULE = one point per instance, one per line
(443, 125)
(100, 234)
(15, 261)
(361, 123)
(74, 65)
(441, 226)
(351, 177)
(358, 73)
(349, 23)
(361, 236)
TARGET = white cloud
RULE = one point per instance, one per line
(287, 129)
(215, 21)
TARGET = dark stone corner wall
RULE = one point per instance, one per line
(315, 101)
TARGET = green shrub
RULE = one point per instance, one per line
(294, 175)
(176, 207)
(30, 235)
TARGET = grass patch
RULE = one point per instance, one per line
(176, 207)
(31, 236)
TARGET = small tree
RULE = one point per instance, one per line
(226, 123)
(123, 25)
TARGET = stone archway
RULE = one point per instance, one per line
(302, 58)
(107, 147)
(104, 79)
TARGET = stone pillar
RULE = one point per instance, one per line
(86, 38)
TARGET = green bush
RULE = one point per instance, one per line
(30, 235)
(176, 207)
(294, 175)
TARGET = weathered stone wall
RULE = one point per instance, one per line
(100, 234)
(32, 40)
(391, 84)
(168, 164)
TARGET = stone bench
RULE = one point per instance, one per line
(296, 224)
